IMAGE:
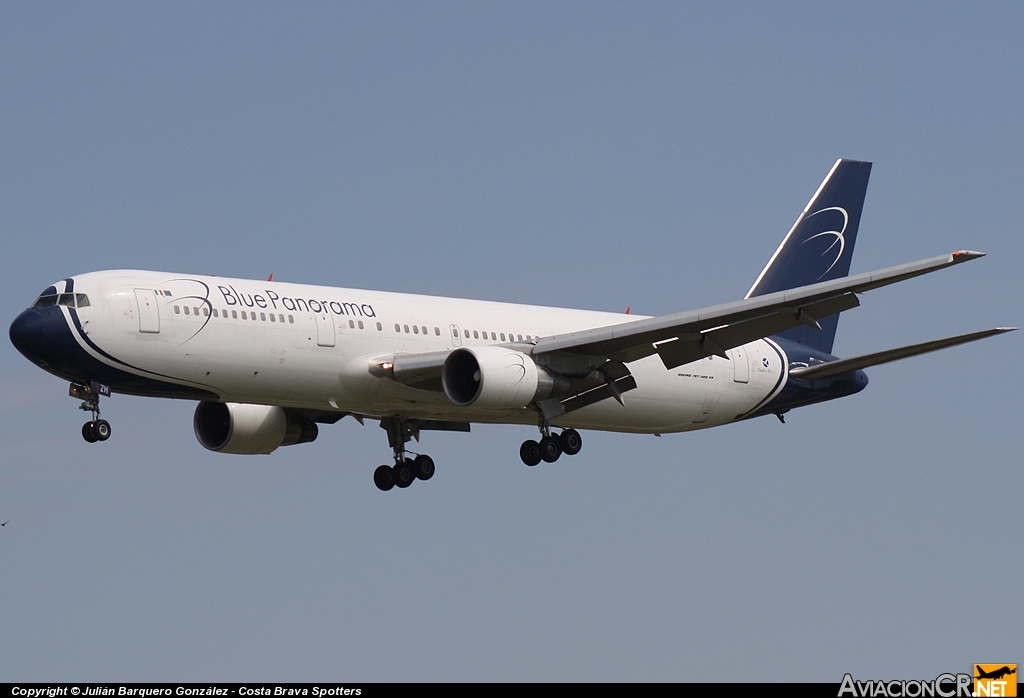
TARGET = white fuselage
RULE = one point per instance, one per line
(300, 346)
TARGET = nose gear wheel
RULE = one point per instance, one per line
(95, 429)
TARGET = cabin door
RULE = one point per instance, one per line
(324, 327)
(149, 313)
(740, 365)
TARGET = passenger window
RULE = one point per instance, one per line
(424, 329)
(244, 316)
(272, 318)
(437, 331)
(398, 328)
(406, 328)
(291, 320)
(83, 300)
(280, 317)
(379, 328)
(351, 325)
(263, 317)
(476, 335)
(503, 336)
(215, 312)
(415, 329)
(206, 311)
(177, 310)
(520, 337)
(186, 310)
(360, 324)
(467, 333)
(494, 337)
(234, 314)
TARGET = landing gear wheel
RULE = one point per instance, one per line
(550, 449)
(101, 428)
(383, 478)
(89, 432)
(423, 467)
(402, 474)
(571, 442)
(530, 453)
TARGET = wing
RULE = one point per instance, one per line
(684, 337)
(594, 361)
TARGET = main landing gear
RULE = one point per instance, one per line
(406, 468)
(95, 429)
(549, 448)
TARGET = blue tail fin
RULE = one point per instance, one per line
(819, 247)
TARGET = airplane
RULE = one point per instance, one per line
(996, 674)
(268, 361)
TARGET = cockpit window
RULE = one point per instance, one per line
(70, 300)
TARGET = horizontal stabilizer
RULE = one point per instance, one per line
(834, 368)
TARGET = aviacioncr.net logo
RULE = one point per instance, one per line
(943, 686)
(995, 680)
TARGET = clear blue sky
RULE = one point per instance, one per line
(588, 155)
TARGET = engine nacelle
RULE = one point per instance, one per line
(230, 427)
(495, 377)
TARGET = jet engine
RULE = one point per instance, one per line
(496, 377)
(236, 428)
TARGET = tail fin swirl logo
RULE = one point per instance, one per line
(839, 239)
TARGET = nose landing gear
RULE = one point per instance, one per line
(95, 429)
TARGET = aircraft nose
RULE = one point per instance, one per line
(28, 332)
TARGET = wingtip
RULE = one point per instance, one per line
(966, 255)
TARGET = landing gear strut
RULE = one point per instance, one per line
(549, 448)
(95, 429)
(406, 468)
